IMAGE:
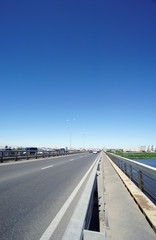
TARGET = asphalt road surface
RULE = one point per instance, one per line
(33, 195)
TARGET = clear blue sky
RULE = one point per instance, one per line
(94, 61)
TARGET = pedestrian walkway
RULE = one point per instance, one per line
(125, 221)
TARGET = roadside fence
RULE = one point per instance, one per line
(142, 175)
(16, 155)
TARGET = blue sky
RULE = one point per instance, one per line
(93, 61)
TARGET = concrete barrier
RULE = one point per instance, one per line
(79, 222)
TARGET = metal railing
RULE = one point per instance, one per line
(142, 175)
(16, 155)
(80, 220)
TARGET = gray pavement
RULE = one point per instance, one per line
(33, 192)
(125, 219)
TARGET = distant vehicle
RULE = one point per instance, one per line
(30, 150)
(62, 149)
(40, 152)
(7, 151)
(90, 151)
(94, 152)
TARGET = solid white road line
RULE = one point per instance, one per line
(47, 167)
(55, 222)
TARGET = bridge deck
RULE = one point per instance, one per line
(125, 221)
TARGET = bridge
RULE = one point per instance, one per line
(79, 196)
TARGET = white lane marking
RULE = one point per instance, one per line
(71, 160)
(55, 222)
(47, 167)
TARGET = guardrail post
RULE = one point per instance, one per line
(121, 166)
(118, 163)
(125, 168)
(1, 157)
(140, 180)
(130, 172)
(16, 158)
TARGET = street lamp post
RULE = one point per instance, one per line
(70, 121)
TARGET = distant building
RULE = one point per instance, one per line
(141, 149)
(132, 149)
(149, 148)
(2, 147)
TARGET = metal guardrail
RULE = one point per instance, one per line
(23, 154)
(79, 222)
(142, 175)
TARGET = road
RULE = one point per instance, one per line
(33, 192)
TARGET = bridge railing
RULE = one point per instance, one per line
(16, 155)
(142, 175)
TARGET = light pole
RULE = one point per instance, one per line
(70, 121)
(84, 140)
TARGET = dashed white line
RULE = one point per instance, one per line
(71, 160)
(47, 167)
